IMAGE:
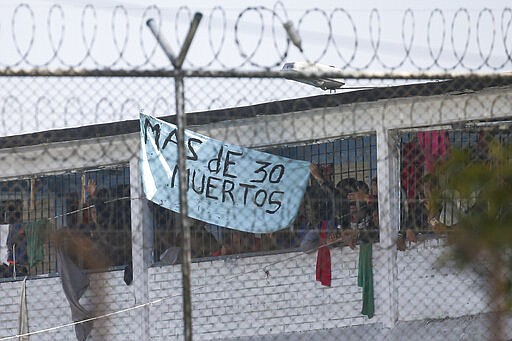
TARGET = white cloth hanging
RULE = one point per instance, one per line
(23, 317)
(4, 232)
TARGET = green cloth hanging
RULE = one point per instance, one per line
(365, 278)
(36, 232)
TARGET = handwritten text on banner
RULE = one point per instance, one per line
(228, 185)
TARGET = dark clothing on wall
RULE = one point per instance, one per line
(17, 238)
(74, 283)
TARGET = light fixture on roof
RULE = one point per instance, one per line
(294, 69)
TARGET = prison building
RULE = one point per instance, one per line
(265, 285)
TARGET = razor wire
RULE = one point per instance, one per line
(92, 37)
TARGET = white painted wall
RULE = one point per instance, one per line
(48, 308)
(429, 288)
(233, 297)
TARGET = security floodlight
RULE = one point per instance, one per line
(293, 69)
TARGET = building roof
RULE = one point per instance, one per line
(457, 86)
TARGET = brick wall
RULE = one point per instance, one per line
(9, 307)
(234, 297)
(48, 307)
(429, 287)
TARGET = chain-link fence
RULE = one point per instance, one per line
(366, 201)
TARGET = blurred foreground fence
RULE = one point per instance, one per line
(395, 186)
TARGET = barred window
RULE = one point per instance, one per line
(342, 161)
(39, 212)
(421, 151)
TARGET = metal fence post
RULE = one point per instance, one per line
(181, 121)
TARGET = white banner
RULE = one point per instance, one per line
(228, 185)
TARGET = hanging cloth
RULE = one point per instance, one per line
(23, 317)
(435, 145)
(365, 278)
(412, 169)
(17, 245)
(4, 233)
(36, 235)
(74, 283)
(323, 260)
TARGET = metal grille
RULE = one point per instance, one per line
(417, 147)
(50, 203)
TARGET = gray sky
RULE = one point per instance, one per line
(313, 28)
(482, 34)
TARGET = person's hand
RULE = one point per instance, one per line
(346, 234)
(315, 172)
(400, 243)
(410, 235)
(91, 188)
(333, 237)
(349, 237)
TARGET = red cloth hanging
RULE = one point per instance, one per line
(323, 259)
(412, 169)
(435, 145)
